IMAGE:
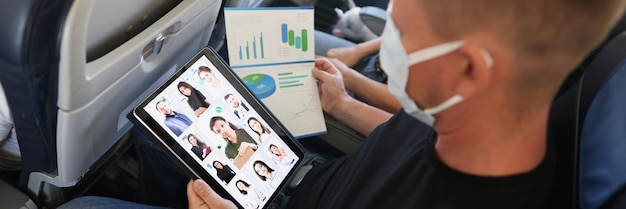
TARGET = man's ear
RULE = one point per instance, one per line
(478, 72)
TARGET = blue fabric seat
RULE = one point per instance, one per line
(71, 70)
(29, 63)
(603, 134)
(588, 121)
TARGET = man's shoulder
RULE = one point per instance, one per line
(402, 124)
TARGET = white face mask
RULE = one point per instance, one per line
(395, 62)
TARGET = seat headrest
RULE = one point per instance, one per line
(15, 18)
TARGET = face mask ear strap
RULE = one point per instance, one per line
(445, 105)
(487, 58)
(433, 51)
(457, 98)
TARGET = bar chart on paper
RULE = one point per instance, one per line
(272, 51)
(299, 41)
(256, 52)
(269, 37)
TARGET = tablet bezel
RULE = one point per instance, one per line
(155, 131)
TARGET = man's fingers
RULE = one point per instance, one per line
(325, 65)
(195, 202)
(320, 75)
(208, 196)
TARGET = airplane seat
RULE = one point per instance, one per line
(584, 148)
(29, 62)
(602, 134)
(72, 70)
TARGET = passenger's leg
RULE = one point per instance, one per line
(161, 181)
(325, 42)
(93, 202)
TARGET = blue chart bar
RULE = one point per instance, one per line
(298, 41)
(262, 53)
(255, 50)
(254, 47)
(283, 32)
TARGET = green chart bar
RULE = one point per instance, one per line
(247, 50)
(305, 45)
(292, 77)
(288, 82)
(294, 85)
(291, 38)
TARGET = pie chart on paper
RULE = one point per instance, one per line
(262, 85)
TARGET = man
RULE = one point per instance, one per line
(176, 122)
(495, 65)
(484, 72)
(240, 108)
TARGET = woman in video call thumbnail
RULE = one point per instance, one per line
(280, 156)
(254, 199)
(261, 130)
(238, 140)
(224, 172)
(198, 147)
(196, 100)
(206, 74)
(264, 172)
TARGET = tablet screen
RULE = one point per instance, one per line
(210, 122)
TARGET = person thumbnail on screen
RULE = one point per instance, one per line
(176, 122)
(265, 173)
(239, 144)
(224, 172)
(207, 76)
(280, 156)
(253, 195)
(198, 146)
(240, 109)
(262, 131)
(196, 100)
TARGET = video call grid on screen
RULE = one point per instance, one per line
(225, 103)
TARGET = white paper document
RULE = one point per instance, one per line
(272, 51)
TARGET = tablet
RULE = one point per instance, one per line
(206, 118)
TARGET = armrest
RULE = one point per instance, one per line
(10, 197)
(340, 136)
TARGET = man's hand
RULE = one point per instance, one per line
(201, 196)
(349, 76)
(336, 101)
(330, 84)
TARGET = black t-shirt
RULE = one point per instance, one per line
(196, 100)
(397, 167)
